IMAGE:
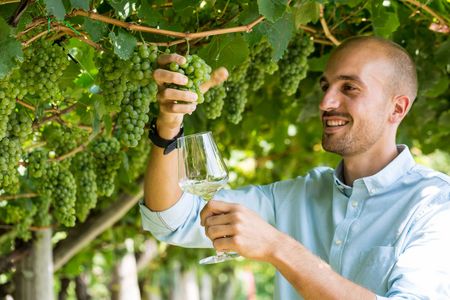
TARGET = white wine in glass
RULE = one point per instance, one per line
(202, 172)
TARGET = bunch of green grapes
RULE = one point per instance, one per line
(10, 153)
(37, 163)
(58, 187)
(43, 66)
(294, 64)
(214, 100)
(137, 159)
(83, 169)
(64, 197)
(197, 71)
(8, 93)
(19, 213)
(20, 124)
(106, 152)
(117, 76)
(134, 114)
(261, 64)
(62, 139)
(236, 88)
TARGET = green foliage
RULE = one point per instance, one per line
(95, 102)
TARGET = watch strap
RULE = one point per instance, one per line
(167, 145)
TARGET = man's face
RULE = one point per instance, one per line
(355, 104)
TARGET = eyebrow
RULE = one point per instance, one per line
(343, 77)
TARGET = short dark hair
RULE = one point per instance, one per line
(405, 74)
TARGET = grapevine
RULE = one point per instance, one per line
(294, 64)
(261, 64)
(236, 89)
(106, 152)
(83, 170)
(214, 101)
(11, 151)
(8, 94)
(19, 213)
(20, 124)
(43, 67)
(141, 91)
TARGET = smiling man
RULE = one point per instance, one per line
(375, 227)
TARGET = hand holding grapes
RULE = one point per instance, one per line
(171, 111)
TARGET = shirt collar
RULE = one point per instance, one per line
(384, 178)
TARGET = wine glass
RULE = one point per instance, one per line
(202, 172)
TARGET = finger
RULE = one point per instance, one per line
(221, 219)
(177, 108)
(217, 77)
(165, 59)
(164, 76)
(174, 94)
(215, 208)
(219, 231)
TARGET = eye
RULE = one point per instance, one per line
(324, 86)
(348, 87)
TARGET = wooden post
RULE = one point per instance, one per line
(34, 275)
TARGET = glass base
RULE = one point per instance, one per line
(220, 257)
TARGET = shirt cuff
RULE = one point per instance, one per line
(169, 219)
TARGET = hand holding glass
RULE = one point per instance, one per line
(202, 172)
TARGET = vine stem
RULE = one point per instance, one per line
(26, 105)
(18, 196)
(428, 10)
(182, 35)
(58, 28)
(77, 149)
(55, 116)
(326, 30)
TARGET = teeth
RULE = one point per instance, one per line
(334, 123)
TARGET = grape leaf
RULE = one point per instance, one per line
(384, 22)
(150, 16)
(10, 48)
(225, 50)
(97, 30)
(272, 9)
(122, 7)
(55, 8)
(124, 43)
(83, 4)
(306, 12)
(279, 33)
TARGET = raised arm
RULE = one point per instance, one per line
(161, 188)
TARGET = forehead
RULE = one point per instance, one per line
(367, 62)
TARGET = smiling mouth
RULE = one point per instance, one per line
(335, 123)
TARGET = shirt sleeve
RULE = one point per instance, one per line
(180, 224)
(422, 271)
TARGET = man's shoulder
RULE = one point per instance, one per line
(316, 175)
(425, 174)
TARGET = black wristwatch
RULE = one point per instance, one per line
(168, 145)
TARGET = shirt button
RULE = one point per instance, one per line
(354, 203)
(338, 242)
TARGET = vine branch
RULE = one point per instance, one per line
(77, 149)
(55, 116)
(18, 196)
(326, 30)
(428, 10)
(183, 35)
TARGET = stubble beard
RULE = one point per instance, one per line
(356, 141)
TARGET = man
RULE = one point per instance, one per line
(375, 227)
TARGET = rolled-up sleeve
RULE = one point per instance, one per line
(422, 271)
(180, 224)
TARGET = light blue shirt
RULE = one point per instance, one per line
(390, 232)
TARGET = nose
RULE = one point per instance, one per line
(330, 100)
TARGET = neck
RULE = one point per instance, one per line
(368, 163)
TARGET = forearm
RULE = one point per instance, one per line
(311, 276)
(161, 190)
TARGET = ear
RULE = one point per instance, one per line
(401, 106)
